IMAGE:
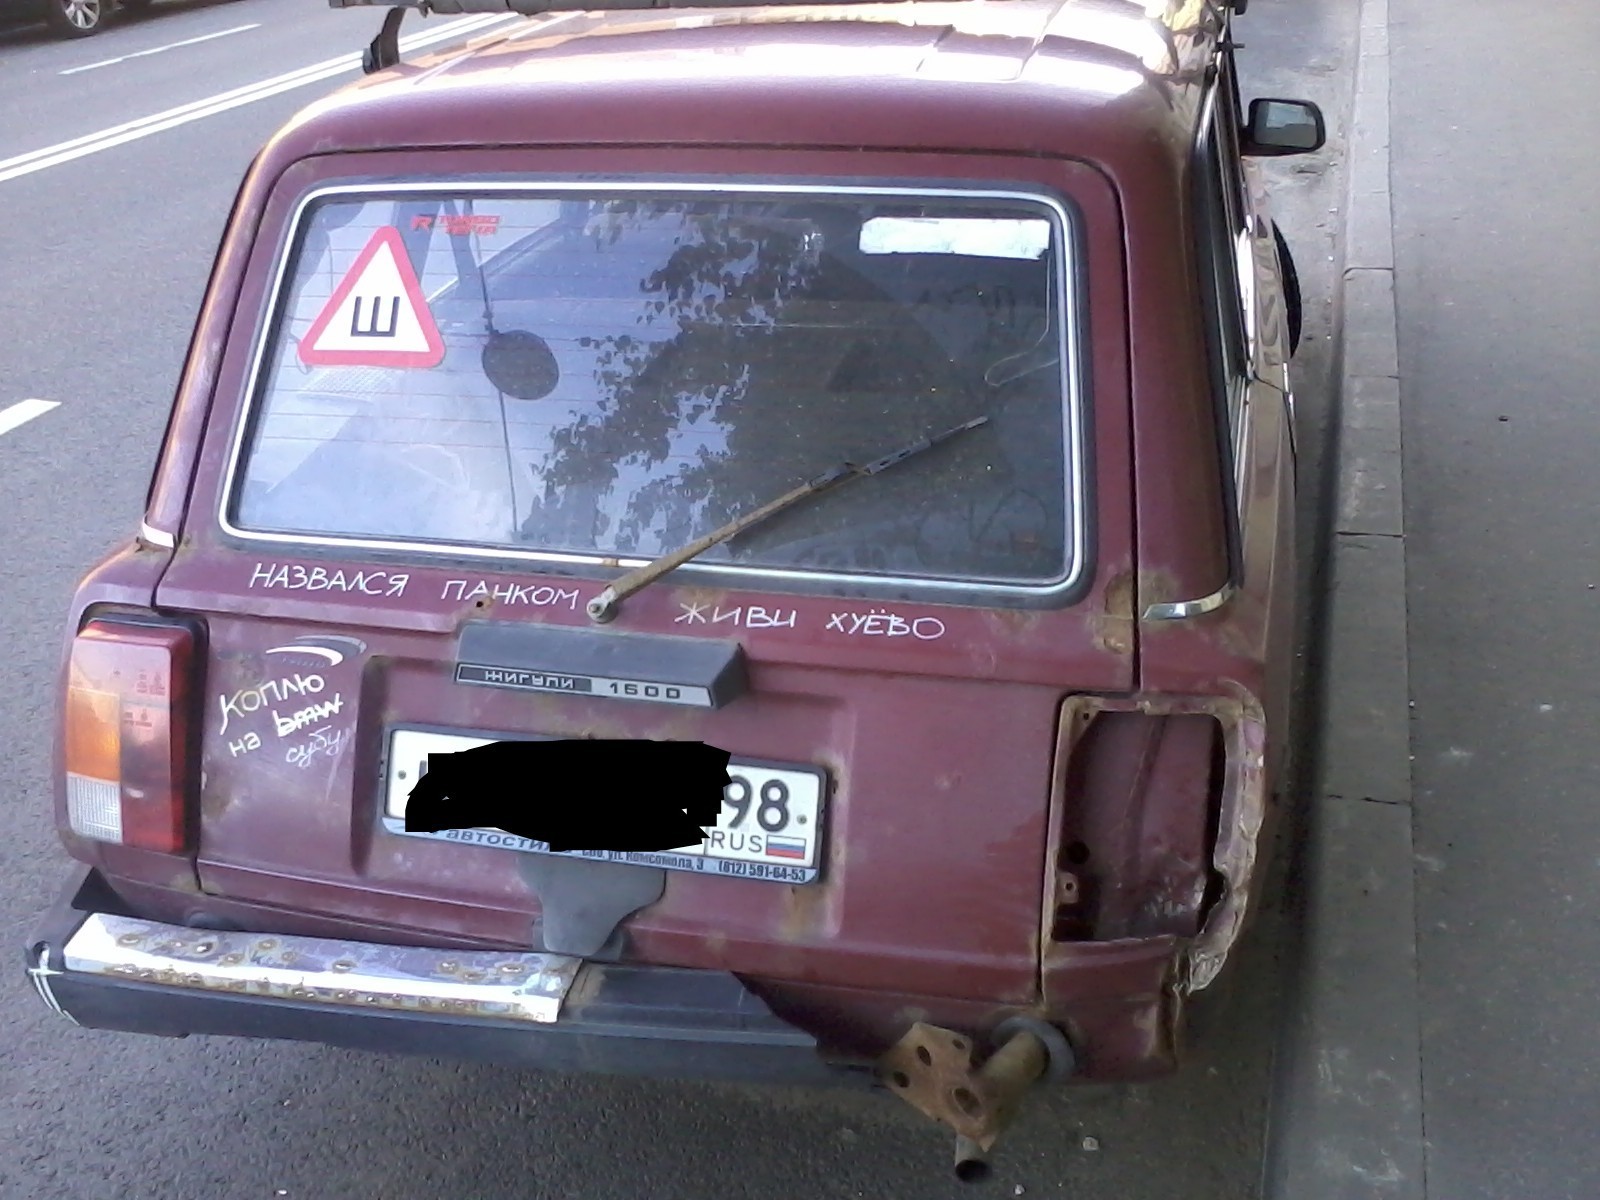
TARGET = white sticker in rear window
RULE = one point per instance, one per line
(980, 237)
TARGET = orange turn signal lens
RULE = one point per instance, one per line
(125, 734)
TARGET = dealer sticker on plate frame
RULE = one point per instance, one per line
(770, 827)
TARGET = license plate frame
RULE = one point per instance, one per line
(805, 797)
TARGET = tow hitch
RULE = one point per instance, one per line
(932, 1069)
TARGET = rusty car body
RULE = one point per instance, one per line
(1040, 764)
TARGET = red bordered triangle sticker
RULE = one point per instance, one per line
(377, 316)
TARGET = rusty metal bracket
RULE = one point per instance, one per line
(932, 1070)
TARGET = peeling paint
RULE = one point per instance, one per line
(1013, 622)
(809, 914)
(1113, 629)
(1238, 834)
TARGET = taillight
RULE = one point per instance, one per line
(125, 734)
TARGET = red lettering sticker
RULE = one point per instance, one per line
(459, 226)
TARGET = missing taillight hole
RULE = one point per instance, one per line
(1070, 925)
(1215, 883)
(1138, 825)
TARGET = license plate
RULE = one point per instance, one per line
(770, 827)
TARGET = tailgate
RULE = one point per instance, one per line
(930, 758)
(553, 381)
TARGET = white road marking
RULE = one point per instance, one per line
(65, 152)
(24, 411)
(204, 37)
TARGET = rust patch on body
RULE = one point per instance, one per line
(716, 944)
(1013, 622)
(805, 913)
(1113, 628)
(215, 800)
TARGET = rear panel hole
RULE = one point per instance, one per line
(1070, 925)
(1076, 853)
(901, 1079)
(924, 1057)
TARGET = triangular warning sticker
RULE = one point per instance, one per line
(377, 316)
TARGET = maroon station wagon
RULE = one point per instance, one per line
(506, 355)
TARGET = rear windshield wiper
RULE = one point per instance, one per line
(604, 606)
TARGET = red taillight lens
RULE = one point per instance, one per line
(125, 734)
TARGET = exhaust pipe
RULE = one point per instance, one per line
(972, 1164)
(932, 1069)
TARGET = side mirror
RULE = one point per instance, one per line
(1279, 127)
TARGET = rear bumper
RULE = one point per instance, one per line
(614, 1019)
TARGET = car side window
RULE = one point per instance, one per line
(1222, 214)
(1229, 121)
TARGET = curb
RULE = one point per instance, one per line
(1345, 1119)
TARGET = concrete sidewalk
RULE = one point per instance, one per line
(1346, 1117)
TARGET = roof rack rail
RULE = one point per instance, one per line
(535, 7)
(384, 50)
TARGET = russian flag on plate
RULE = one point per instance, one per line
(785, 847)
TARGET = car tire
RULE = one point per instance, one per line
(77, 18)
(1291, 288)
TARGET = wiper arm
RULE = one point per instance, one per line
(604, 606)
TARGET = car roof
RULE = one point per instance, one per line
(1079, 78)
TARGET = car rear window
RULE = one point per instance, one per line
(585, 375)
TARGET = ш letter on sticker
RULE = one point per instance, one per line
(377, 316)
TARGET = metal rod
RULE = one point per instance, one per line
(604, 606)
(1016, 1065)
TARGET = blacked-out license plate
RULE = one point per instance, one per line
(770, 827)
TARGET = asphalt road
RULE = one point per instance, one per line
(1497, 273)
(104, 252)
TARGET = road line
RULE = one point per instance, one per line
(117, 135)
(204, 37)
(9, 167)
(24, 411)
